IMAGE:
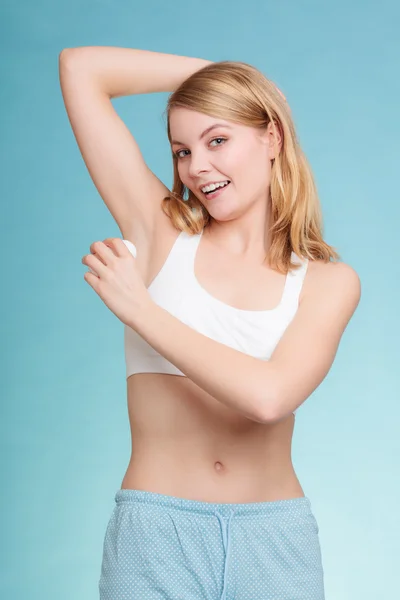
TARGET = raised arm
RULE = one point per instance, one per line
(90, 77)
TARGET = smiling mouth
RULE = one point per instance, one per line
(215, 192)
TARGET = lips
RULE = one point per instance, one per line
(212, 183)
(216, 192)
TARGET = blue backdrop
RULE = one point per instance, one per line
(65, 440)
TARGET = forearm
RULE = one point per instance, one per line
(125, 71)
(235, 379)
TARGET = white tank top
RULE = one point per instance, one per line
(176, 289)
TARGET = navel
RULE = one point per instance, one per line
(218, 466)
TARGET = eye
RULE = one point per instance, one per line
(177, 154)
(181, 153)
(218, 139)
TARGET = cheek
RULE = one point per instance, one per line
(239, 164)
(232, 163)
(251, 170)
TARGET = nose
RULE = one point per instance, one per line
(198, 163)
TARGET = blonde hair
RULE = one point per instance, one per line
(238, 92)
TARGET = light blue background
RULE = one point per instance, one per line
(64, 427)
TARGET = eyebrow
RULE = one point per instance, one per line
(205, 132)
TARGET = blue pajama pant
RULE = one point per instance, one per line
(160, 547)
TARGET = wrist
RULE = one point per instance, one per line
(142, 314)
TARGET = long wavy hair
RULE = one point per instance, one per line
(238, 92)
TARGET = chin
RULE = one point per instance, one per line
(225, 213)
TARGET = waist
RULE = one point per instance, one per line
(185, 443)
(199, 472)
(212, 485)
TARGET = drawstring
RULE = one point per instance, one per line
(226, 540)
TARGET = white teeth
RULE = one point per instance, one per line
(214, 186)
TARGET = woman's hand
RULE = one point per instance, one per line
(116, 279)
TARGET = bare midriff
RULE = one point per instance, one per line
(187, 444)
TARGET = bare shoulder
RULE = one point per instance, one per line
(335, 282)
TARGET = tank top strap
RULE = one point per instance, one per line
(294, 282)
(185, 249)
(179, 262)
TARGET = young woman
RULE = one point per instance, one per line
(233, 308)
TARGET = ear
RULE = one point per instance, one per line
(272, 139)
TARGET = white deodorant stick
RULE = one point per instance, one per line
(131, 247)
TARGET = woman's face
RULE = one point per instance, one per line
(211, 150)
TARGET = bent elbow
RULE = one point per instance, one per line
(267, 410)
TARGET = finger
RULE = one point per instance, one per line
(103, 252)
(91, 279)
(108, 242)
(94, 263)
(119, 247)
